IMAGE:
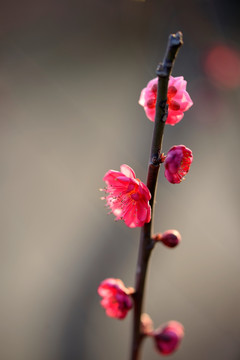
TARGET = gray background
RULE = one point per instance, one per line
(70, 77)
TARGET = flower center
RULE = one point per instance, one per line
(171, 92)
(151, 103)
(174, 105)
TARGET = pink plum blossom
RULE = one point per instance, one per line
(117, 299)
(128, 197)
(178, 99)
(177, 163)
(168, 337)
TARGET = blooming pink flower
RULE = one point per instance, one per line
(128, 197)
(116, 298)
(178, 99)
(177, 163)
(168, 337)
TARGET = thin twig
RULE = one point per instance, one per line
(146, 242)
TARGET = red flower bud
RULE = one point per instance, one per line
(117, 299)
(177, 163)
(168, 337)
(171, 238)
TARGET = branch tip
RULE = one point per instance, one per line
(176, 39)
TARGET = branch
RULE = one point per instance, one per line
(146, 242)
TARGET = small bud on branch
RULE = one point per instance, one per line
(168, 337)
(170, 238)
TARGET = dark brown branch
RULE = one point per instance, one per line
(146, 243)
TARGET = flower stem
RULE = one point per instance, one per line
(146, 242)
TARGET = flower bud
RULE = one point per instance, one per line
(177, 163)
(146, 324)
(117, 300)
(168, 337)
(171, 238)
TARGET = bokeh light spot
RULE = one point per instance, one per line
(222, 65)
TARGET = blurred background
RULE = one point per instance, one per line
(71, 73)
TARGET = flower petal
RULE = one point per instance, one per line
(127, 171)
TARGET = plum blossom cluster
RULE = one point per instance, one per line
(178, 99)
(128, 198)
(179, 158)
(117, 301)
